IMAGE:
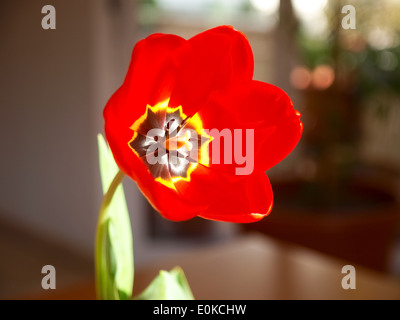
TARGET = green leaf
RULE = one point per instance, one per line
(114, 245)
(171, 285)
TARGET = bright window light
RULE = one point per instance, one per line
(197, 5)
(312, 15)
(266, 6)
(309, 8)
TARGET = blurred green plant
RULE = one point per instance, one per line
(171, 285)
(366, 66)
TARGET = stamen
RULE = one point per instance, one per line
(175, 143)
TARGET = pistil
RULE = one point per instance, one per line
(177, 142)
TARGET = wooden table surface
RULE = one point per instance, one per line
(255, 267)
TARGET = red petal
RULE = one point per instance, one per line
(229, 198)
(252, 105)
(168, 202)
(150, 79)
(218, 57)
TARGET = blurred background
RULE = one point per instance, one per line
(337, 193)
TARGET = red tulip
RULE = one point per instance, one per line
(195, 132)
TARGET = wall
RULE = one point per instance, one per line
(53, 87)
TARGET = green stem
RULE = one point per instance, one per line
(103, 217)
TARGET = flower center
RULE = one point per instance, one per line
(170, 144)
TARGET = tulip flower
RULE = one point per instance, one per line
(195, 131)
